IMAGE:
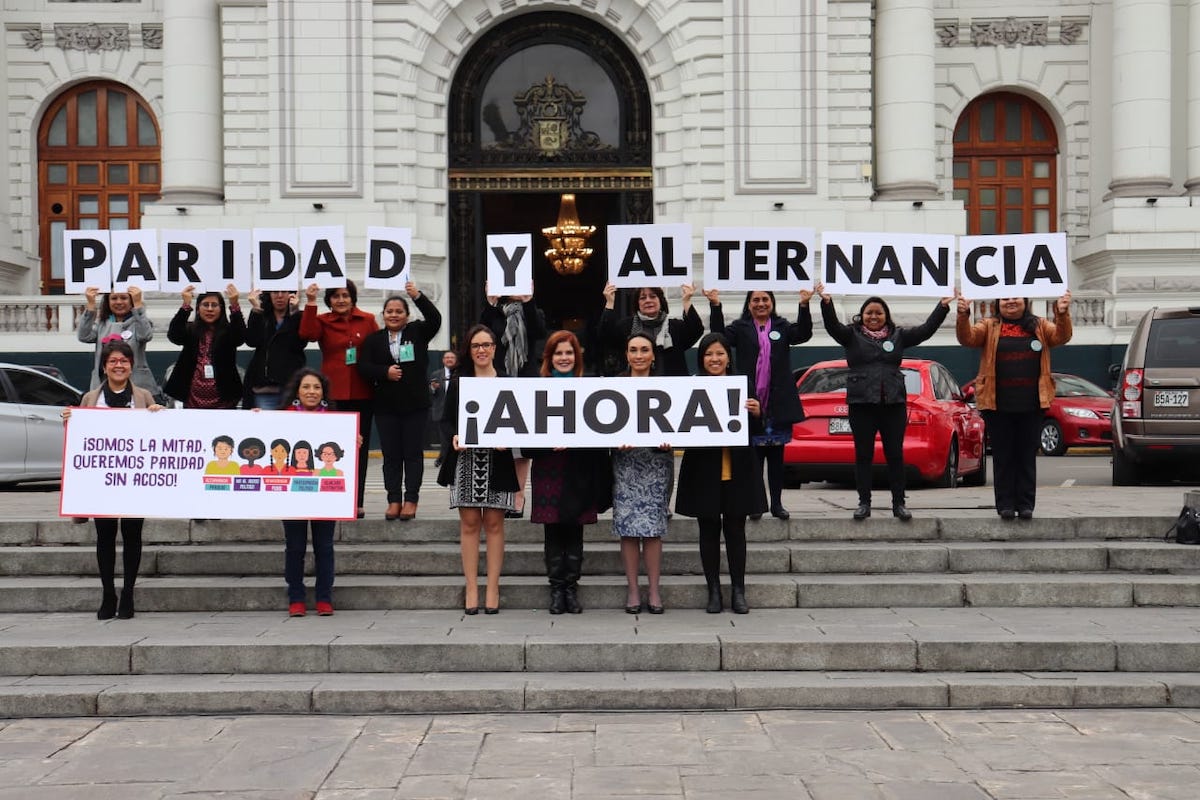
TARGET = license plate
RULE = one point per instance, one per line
(839, 425)
(1170, 399)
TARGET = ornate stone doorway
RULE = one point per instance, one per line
(545, 104)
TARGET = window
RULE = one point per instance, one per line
(36, 389)
(98, 166)
(1005, 166)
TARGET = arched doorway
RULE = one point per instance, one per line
(98, 167)
(1006, 165)
(545, 104)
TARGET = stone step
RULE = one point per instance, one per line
(982, 526)
(499, 692)
(772, 640)
(796, 590)
(603, 558)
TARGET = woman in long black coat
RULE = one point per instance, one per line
(770, 374)
(720, 487)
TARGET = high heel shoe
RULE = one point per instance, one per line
(490, 610)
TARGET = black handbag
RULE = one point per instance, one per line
(1186, 529)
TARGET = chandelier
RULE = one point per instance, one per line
(568, 239)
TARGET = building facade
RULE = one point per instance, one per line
(458, 118)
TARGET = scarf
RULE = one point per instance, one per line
(878, 335)
(556, 374)
(121, 399)
(655, 326)
(762, 369)
(515, 338)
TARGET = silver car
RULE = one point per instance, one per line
(31, 426)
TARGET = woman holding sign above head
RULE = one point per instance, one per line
(569, 488)
(482, 480)
(206, 374)
(875, 390)
(395, 361)
(720, 487)
(671, 337)
(123, 315)
(1013, 389)
(519, 326)
(340, 334)
(308, 392)
(116, 390)
(763, 343)
(642, 478)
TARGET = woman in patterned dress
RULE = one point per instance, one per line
(642, 478)
(482, 481)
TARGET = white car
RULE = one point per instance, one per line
(31, 426)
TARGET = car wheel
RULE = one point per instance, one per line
(1052, 440)
(949, 478)
(1124, 471)
(979, 476)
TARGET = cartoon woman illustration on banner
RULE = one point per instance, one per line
(330, 453)
(222, 448)
(302, 461)
(251, 450)
(279, 459)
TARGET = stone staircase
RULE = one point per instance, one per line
(952, 611)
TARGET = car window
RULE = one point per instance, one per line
(833, 379)
(37, 389)
(943, 387)
(1074, 386)
(4, 398)
(1173, 343)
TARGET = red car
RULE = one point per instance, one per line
(1080, 415)
(943, 441)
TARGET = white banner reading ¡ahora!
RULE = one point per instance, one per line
(226, 464)
(602, 412)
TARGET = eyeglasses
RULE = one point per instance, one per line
(117, 362)
(482, 345)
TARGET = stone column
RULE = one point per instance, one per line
(1141, 98)
(191, 123)
(1192, 185)
(904, 100)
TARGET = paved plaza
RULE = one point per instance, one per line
(770, 755)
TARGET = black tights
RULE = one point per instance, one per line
(734, 527)
(106, 550)
(773, 455)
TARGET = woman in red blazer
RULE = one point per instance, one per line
(340, 333)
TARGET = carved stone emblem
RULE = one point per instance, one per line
(550, 124)
(1008, 32)
(91, 37)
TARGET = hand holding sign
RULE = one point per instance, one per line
(1063, 304)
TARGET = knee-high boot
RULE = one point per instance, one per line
(555, 567)
(572, 570)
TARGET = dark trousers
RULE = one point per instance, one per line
(295, 537)
(734, 527)
(773, 456)
(1014, 436)
(402, 439)
(365, 413)
(889, 421)
(106, 550)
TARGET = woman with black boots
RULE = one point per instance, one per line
(763, 343)
(875, 390)
(117, 391)
(569, 488)
(720, 486)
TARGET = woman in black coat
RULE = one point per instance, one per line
(672, 337)
(720, 487)
(770, 374)
(394, 361)
(875, 389)
(274, 333)
(206, 374)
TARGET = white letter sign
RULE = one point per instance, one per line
(85, 261)
(762, 259)
(1017, 265)
(134, 260)
(649, 255)
(276, 261)
(891, 264)
(387, 258)
(509, 264)
(602, 412)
